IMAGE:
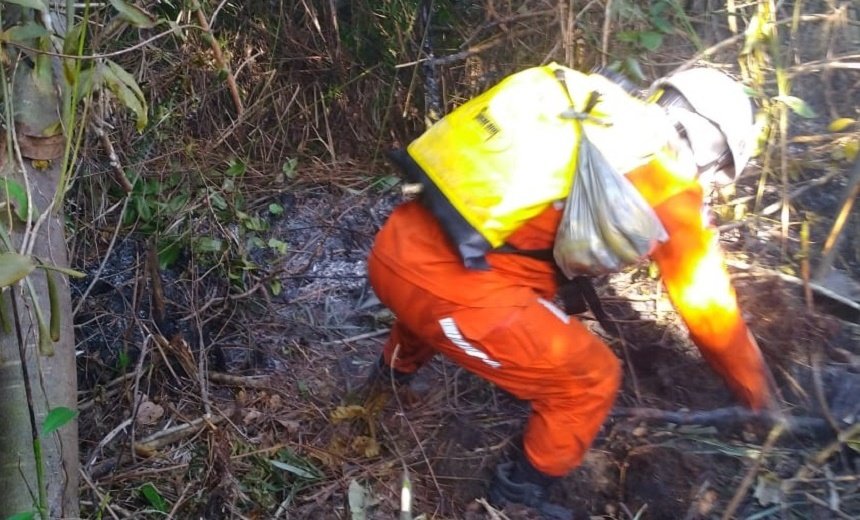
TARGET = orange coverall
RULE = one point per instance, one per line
(501, 323)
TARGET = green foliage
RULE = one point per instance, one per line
(151, 494)
(645, 26)
(26, 515)
(14, 267)
(56, 419)
(378, 33)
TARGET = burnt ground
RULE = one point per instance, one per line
(282, 375)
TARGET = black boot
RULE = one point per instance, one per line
(519, 482)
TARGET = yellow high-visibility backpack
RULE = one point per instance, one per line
(504, 156)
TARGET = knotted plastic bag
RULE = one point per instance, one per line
(607, 225)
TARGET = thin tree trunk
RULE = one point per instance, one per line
(52, 379)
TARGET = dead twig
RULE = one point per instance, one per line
(148, 446)
(359, 337)
(829, 251)
(725, 417)
(749, 478)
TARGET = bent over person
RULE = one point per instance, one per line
(470, 270)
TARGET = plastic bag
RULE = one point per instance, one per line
(606, 225)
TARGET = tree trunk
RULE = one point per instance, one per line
(52, 379)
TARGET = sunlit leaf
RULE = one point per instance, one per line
(14, 267)
(797, 105)
(56, 419)
(838, 125)
(133, 14)
(39, 5)
(851, 149)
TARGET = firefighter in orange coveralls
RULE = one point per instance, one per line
(497, 319)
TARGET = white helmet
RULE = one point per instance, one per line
(722, 101)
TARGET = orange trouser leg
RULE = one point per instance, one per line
(405, 351)
(528, 347)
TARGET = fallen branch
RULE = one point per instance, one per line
(727, 417)
(147, 447)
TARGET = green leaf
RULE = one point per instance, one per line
(797, 105)
(56, 419)
(217, 201)
(168, 253)
(208, 245)
(126, 90)
(633, 68)
(295, 470)
(255, 224)
(289, 167)
(838, 125)
(276, 287)
(628, 36)
(277, 245)
(276, 209)
(151, 494)
(72, 41)
(26, 515)
(22, 33)
(651, 40)
(237, 168)
(14, 192)
(38, 5)
(133, 14)
(14, 267)
(65, 270)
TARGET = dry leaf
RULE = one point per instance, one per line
(366, 446)
(251, 416)
(149, 413)
(345, 413)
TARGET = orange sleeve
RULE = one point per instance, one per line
(696, 279)
(698, 284)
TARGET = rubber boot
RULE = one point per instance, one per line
(519, 482)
